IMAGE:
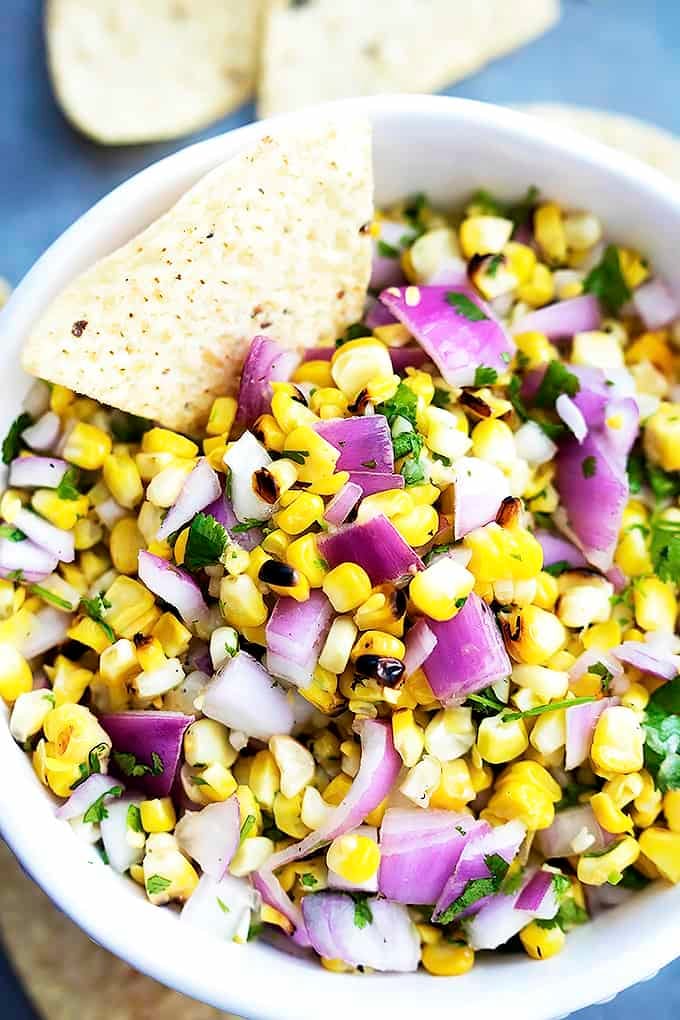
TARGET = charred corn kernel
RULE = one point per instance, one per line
(16, 677)
(222, 416)
(287, 815)
(158, 815)
(500, 741)
(655, 604)
(295, 763)
(547, 591)
(159, 440)
(440, 590)
(375, 642)
(662, 848)
(455, 788)
(347, 586)
(533, 635)
(484, 235)
(408, 736)
(241, 602)
(128, 601)
(337, 789)
(126, 541)
(492, 440)
(305, 510)
(86, 533)
(539, 289)
(89, 633)
(122, 478)
(417, 526)
(671, 809)
(338, 645)
(63, 513)
(390, 503)
(87, 446)
(597, 348)
(360, 363)
(60, 398)
(605, 867)
(173, 635)
(540, 942)
(633, 267)
(446, 959)
(418, 687)
(354, 857)
(257, 558)
(549, 232)
(303, 554)
(269, 433)
(72, 732)
(317, 455)
(618, 741)
(609, 816)
(382, 610)
(165, 487)
(150, 655)
(315, 371)
(289, 411)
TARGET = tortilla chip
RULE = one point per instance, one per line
(151, 69)
(647, 142)
(321, 49)
(270, 242)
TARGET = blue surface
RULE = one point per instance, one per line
(613, 54)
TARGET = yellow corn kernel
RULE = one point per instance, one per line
(16, 677)
(535, 349)
(634, 268)
(122, 478)
(602, 635)
(328, 485)
(527, 794)
(500, 741)
(87, 446)
(609, 866)
(125, 543)
(655, 604)
(446, 959)
(622, 790)
(419, 688)
(547, 590)
(549, 232)
(375, 817)
(383, 610)
(521, 260)
(241, 602)
(455, 788)
(354, 857)
(69, 680)
(662, 848)
(539, 289)
(317, 455)
(118, 663)
(636, 697)
(484, 235)
(540, 942)
(632, 554)
(337, 789)
(390, 503)
(265, 779)
(408, 736)
(347, 586)
(72, 732)
(150, 655)
(375, 642)
(173, 635)
(315, 371)
(287, 812)
(360, 363)
(417, 526)
(128, 601)
(158, 440)
(158, 815)
(63, 513)
(440, 590)
(87, 533)
(89, 633)
(492, 440)
(163, 860)
(222, 416)
(609, 816)
(269, 433)
(424, 494)
(60, 398)
(288, 410)
(303, 554)
(276, 543)
(653, 347)
(305, 509)
(329, 398)
(671, 809)
(533, 635)
(338, 645)
(618, 741)
(335, 966)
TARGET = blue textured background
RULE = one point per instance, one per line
(622, 55)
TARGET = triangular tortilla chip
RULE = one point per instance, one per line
(273, 241)
(146, 70)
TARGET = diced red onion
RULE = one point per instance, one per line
(364, 443)
(377, 315)
(571, 416)
(419, 850)
(244, 458)
(375, 545)
(563, 318)
(591, 656)
(44, 434)
(407, 357)
(295, 635)
(389, 943)
(244, 697)
(479, 488)
(48, 629)
(640, 655)
(84, 796)
(37, 400)
(150, 736)
(379, 767)
(340, 507)
(420, 642)
(223, 513)
(211, 836)
(504, 841)
(33, 562)
(264, 364)
(200, 488)
(114, 832)
(568, 830)
(534, 892)
(272, 893)
(205, 908)
(386, 270)
(502, 917)
(37, 472)
(558, 550)
(173, 585)
(457, 344)
(53, 540)
(581, 721)
(109, 512)
(655, 304)
(318, 353)
(469, 654)
(600, 898)
(371, 482)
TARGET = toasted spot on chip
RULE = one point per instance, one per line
(287, 256)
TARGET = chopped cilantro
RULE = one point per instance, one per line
(403, 404)
(387, 251)
(11, 444)
(92, 765)
(513, 394)
(369, 463)
(494, 265)
(130, 766)
(362, 911)
(636, 473)
(513, 883)
(540, 709)
(308, 881)
(571, 794)
(605, 675)
(519, 212)
(248, 825)
(295, 455)
(133, 818)
(206, 542)
(353, 332)
(10, 532)
(441, 398)
(486, 703)
(222, 905)
(461, 602)
(556, 381)
(247, 525)
(485, 376)
(606, 281)
(254, 930)
(97, 810)
(95, 608)
(477, 888)
(662, 736)
(632, 879)
(664, 484)
(464, 306)
(557, 568)
(157, 884)
(49, 696)
(49, 596)
(665, 549)
(589, 467)
(568, 916)
(407, 443)
(412, 471)
(157, 766)
(67, 488)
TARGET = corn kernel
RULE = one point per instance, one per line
(87, 533)
(173, 635)
(354, 857)
(87, 446)
(408, 736)
(122, 478)
(533, 635)
(499, 741)
(63, 513)
(125, 543)
(158, 815)
(222, 416)
(605, 867)
(655, 604)
(549, 232)
(287, 815)
(375, 642)
(165, 487)
(129, 601)
(338, 645)
(159, 440)
(417, 526)
(455, 788)
(60, 398)
(295, 763)
(540, 942)
(440, 590)
(15, 673)
(539, 289)
(347, 586)
(444, 959)
(303, 554)
(306, 509)
(618, 741)
(389, 503)
(484, 235)
(241, 602)
(547, 591)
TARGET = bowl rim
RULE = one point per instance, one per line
(83, 895)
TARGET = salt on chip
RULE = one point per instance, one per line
(321, 49)
(273, 241)
(128, 71)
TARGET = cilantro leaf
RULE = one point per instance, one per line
(97, 810)
(254, 930)
(133, 818)
(665, 549)
(664, 484)
(571, 794)
(464, 306)
(49, 596)
(362, 911)
(206, 542)
(157, 884)
(247, 827)
(589, 467)
(633, 879)
(513, 394)
(605, 675)
(157, 766)
(407, 443)
(556, 381)
(247, 525)
(403, 404)
(554, 706)
(519, 212)
(636, 473)
(353, 332)
(67, 488)
(412, 471)
(441, 398)
(662, 736)
(557, 568)
(92, 765)
(12, 533)
(298, 456)
(130, 766)
(485, 376)
(95, 608)
(477, 888)
(308, 881)
(606, 281)
(387, 251)
(11, 444)
(222, 905)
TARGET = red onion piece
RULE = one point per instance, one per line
(84, 796)
(319, 353)
(640, 655)
(600, 898)
(32, 562)
(48, 629)
(375, 545)
(558, 550)
(37, 472)
(211, 836)
(265, 363)
(378, 770)
(386, 269)
(407, 357)
(200, 488)
(244, 458)
(44, 433)
(150, 737)
(340, 507)
(581, 721)
(504, 840)
(534, 892)
(588, 658)
(502, 917)
(376, 481)
(244, 697)
(479, 488)
(53, 540)
(571, 416)
(205, 908)
(114, 832)
(295, 634)
(562, 319)
(420, 643)
(389, 943)
(377, 315)
(223, 513)
(419, 851)
(457, 344)
(173, 585)
(272, 893)
(655, 304)
(569, 825)
(469, 654)
(365, 444)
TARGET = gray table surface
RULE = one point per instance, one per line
(621, 55)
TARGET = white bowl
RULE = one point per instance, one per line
(447, 148)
